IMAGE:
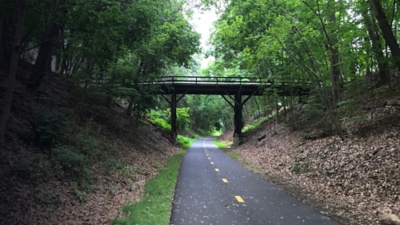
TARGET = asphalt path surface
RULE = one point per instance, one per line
(212, 188)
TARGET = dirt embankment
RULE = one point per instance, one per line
(33, 188)
(55, 201)
(356, 180)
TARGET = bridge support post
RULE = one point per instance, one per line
(238, 118)
(173, 103)
(174, 133)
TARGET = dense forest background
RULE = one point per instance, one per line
(338, 49)
(70, 74)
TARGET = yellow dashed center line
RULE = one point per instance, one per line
(224, 180)
(216, 169)
(239, 199)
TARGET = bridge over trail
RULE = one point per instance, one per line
(232, 89)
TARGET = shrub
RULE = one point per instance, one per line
(35, 166)
(70, 163)
(162, 123)
(258, 123)
(48, 127)
(300, 167)
(85, 143)
(185, 142)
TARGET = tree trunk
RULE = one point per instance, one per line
(128, 111)
(2, 43)
(278, 120)
(377, 48)
(387, 32)
(284, 108)
(332, 41)
(335, 68)
(20, 17)
(43, 59)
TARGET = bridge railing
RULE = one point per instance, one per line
(226, 80)
(210, 80)
(170, 80)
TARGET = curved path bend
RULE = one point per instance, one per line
(212, 188)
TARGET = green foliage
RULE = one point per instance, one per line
(185, 142)
(155, 206)
(35, 167)
(257, 123)
(300, 167)
(159, 118)
(182, 118)
(162, 123)
(207, 111)
(296, 42)
(312, 110)
(82, 196)
(65, 150)
(109, 46)
(48, 127)
(234, 155)
(70, 164)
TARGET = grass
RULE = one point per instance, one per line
(222, 144)
(234, 155)
(155, 206)
(257, 123)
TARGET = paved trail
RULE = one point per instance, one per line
(213, 188)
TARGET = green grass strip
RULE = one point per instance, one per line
(155, 206)
(222, 144)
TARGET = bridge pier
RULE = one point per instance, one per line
(238, 118)
(173, 103)
(174, 133)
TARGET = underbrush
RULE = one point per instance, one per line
(257, 123)
(186, 142)
(361, 106)
(65, 148)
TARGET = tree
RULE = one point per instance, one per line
(20, 16)
(387, 31)
(43, 60)
(318, 42)
(377, 49)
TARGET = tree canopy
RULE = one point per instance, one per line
(326, 44)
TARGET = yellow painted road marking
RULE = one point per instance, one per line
(239, 199)
(217, 169)
(224, 180)
(212, 163)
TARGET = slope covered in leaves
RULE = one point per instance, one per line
(356, 179)
(99, 159)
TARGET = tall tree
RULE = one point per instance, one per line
(377, 47)
(19, 18)
(387, 31)
(46, 50)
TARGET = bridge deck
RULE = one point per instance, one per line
(224, 86)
